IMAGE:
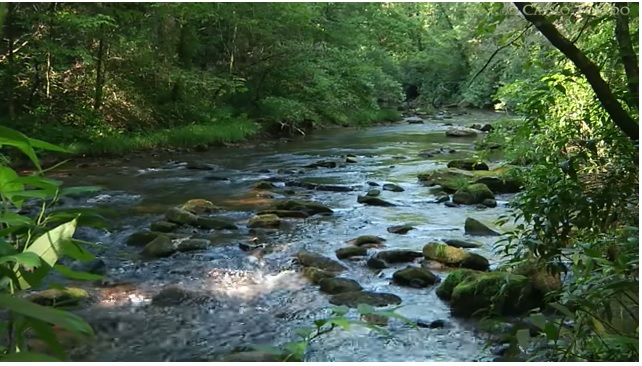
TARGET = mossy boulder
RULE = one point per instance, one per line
(214, 223)
(493, 293)
(264, 185)
(189, 245)
(199, 206)
(376, 299)
(468, 164)
(398, 256)
(338, 285)
(463, 243)
(392, 187)
(374, 201)
(174, 295)
(163, 226)
(369, 240)
(311, 208)
(285, 213)
(416, 277)
(461, 132)
(264, 221)
(400, 229)
(489, 202)
(179, 216)
(454, 278)
(315, 275)
(142, 238)
(253, 356)
(64, 297)
(373, 193)
(455, 257)
(472, 194)
(499, 180)
(542, 280)
(309, 259)
(159, 248)
(349, 252)
(477, 228)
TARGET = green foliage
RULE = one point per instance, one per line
(30, 249)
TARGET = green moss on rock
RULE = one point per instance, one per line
(454, 278)
(472, 194)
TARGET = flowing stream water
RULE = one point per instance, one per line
(263, 299)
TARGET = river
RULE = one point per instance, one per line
(262, 299)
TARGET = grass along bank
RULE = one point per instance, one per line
(179, 137)
(193, 135)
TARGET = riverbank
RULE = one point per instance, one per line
(193, 137)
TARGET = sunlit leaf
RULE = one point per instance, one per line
(25, 259)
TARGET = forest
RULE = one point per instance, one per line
(117, 81)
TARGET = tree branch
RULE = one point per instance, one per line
(592, 73)
(495, 54)
(627, 54)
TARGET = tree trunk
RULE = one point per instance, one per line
(592, 73)
(100, 74)
(627, 54)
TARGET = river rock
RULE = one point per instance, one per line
(499, 180)
(400, 229)
(416, 277)
(315, 275)
(376, 263)
(95, 266)
(334, 188)
(376, 299)
(199, 206)
(433, 265)
(468, 164)
(264, 221)
(214, 223)
(476, 227)
(374, 201)
(487, 128)
(142, 238)
(349, 252)
(253, 356)
(309, 259)
(322, 164)
(59, 297)
(160, 247)
(392, 187)
(489, 202)
(189, 245)
(455, 256)
(373, 184)
(338, 285)
(442, 197)
(193, 165)
(367, 239)
(311, 208)
(493, 293)
(435, 324)
(472, 194)
(179, 216)
(414, 120)
(264, 185)
(285, 213)
(450, 204)
(398, 256)
(373, 193)
(174, 295)
(542, 280)
(454, 278)
(352, 160)
(163, 226)
(463, 243)
(461, 132)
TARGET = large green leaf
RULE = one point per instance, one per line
(13, 219)
(8, 186)
(49, 248)
(16, 139)
(39, 144)
(25, 259)
(63, 319)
